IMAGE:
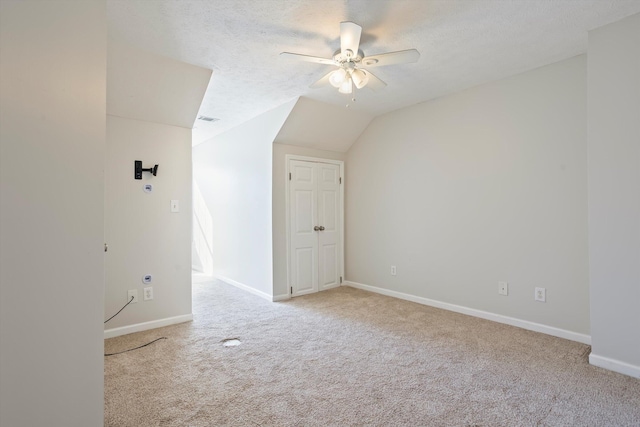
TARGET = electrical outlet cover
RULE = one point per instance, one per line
(503, 288)
(148, 293)
(540, 295)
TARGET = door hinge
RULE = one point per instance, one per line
(340, 180)
(340, 279)
(289, 176)
(292, 290)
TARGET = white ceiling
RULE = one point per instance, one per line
(315, 124)
(462, 43)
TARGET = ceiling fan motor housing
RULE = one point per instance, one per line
(347, 57)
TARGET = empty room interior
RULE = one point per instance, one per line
(288, 213)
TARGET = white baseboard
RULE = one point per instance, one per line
(243, 287)
(614, 365)
(280, 297)
(145, 326)
(201, 277)
(524, 324)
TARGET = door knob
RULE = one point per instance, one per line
(316, 228)
(321, 228)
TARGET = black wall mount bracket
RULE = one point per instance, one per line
(138, 169)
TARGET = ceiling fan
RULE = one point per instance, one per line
(351, 61)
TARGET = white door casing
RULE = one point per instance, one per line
(314, 224)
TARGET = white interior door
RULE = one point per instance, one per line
(303, 218)
(328, 176)
(315, 226)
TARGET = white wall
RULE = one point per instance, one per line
(614, 195)
(280, 209)
(233, 172)
(52, 133)
(482, 186)
(201, 247)
(144, 236)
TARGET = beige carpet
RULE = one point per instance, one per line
(347, 357)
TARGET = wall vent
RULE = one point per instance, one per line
(207, 119)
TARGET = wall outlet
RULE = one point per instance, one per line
(503, 288)
(148, 293)
(541, 295)
(132, 293)
(393, 270)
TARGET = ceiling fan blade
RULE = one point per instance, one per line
(323, 81)
(373, 83)
(308, 58)
(399, 57)
(350, 37)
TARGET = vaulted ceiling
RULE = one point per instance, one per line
(462, 43)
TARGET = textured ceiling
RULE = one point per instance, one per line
(462, 43)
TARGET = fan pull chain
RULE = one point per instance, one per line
(352, 100)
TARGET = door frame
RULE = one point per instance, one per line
(340, 163)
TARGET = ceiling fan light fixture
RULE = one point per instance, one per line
(346, 86)
(338, 77)
(360, 78)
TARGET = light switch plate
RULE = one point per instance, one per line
(175, 206)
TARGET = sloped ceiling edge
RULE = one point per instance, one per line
(149, 87)
(315, 124)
